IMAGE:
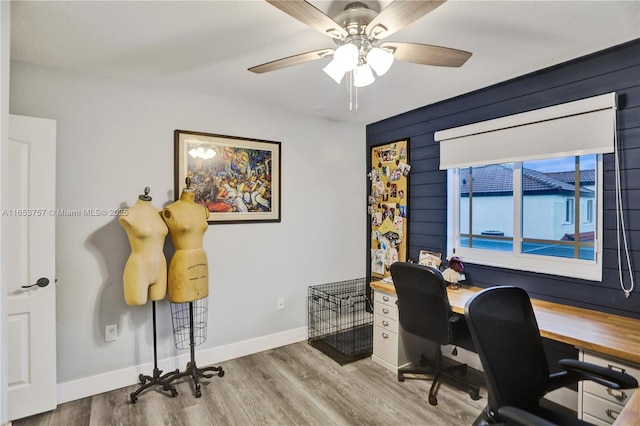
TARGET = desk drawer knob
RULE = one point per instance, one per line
(385, 311)
(386, 324)
(611, 413)
(385, 336)
(385, 298)
(619, 395)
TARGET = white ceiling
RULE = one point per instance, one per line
(207, 46)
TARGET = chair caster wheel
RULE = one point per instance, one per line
(174, 393)
(142, 379)
(221, 373)
(400, 378)
(133, 398)
(474, 395)
(433, 400)
(198, 393)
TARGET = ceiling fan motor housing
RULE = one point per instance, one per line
(354, 19)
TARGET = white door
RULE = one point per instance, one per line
(30, 215)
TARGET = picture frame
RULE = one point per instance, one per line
(236, 179)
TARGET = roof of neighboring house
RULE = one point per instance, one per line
(586, 176)
(498, 178)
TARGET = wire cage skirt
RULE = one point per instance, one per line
(182, 314)
(341, 320)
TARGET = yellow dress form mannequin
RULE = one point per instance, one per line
(188, 270)
(145, 273)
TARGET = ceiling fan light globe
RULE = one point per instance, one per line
(363, 76)
(346, 56)
(334, 71)
(380, 60)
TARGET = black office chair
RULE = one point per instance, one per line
(506, 336)
(424, 311)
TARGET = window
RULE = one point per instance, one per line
(484, 191)
(525, 191)
(523, 215)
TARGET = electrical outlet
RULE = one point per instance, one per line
(111, 333)
(280, 303)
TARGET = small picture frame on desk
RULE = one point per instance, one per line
(430, 258)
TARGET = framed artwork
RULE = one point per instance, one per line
(236, 179)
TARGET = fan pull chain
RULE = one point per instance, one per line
(350, 91)
(351, 94)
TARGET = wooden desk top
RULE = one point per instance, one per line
(630, 416)
(607, 334)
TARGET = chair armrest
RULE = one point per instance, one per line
(602, 375)
(516, 416)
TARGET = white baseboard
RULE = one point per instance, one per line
(93, 385)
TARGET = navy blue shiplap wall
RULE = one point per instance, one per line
(613, 70)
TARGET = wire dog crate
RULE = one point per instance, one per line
(341, 320)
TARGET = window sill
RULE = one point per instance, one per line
(572, 268)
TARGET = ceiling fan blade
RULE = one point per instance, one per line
(426, 54)
(398, 15)
(308, 14)
(291, 61)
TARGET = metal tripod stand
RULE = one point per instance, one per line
(157, 379)
(191, 369)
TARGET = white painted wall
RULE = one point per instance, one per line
(116, 138)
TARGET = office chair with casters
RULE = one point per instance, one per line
(506, 336)
(424, 311)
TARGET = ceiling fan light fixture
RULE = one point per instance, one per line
(346, 56)
(380, 60)
(363, 76)
(201, 153)
(334, 71)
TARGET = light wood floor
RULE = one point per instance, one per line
(291, 385)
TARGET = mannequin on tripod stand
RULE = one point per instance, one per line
(145, 273)
(188, 279)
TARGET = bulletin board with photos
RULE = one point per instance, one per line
(387, 206)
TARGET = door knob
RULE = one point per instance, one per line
(42, 282)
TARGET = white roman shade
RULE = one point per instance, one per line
(582, 127)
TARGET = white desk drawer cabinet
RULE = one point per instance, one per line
(594, 420)
(386, 323)
(600, 402)
(385, 346)
(389, 300)
(385, 329)
(387, 311)
(392, 347)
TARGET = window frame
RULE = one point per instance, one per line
(516, 260)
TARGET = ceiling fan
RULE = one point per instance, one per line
(357, 31)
